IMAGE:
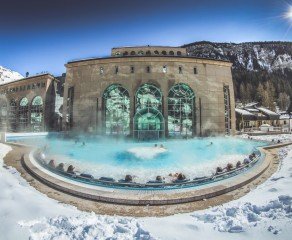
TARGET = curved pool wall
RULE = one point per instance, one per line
(116, 158)
(259, 156)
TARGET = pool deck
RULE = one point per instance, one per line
(140, 202)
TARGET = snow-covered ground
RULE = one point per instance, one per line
(264, 213)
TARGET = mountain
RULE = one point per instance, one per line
(260, 69)
(7, 75)
(252, 56)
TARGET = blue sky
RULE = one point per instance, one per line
(38, 35)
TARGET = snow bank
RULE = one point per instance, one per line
(264, 213)
(26, 213)
(86, 227)
(270, 138)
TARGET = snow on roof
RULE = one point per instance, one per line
(267, 111)
(284, 116)
(252, 109)
(252, 104)
(243, 112)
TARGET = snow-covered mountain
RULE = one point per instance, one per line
(252, 56)
(7, 75)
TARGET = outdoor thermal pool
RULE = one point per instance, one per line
(112, 158)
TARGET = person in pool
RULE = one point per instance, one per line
(161, 146)
(210, 144)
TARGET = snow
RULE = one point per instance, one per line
(243, 112)
(264, 213)
(7, 75)
(26, 213)
(267, 111)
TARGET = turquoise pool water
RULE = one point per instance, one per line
(116, 158)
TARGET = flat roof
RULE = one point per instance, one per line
(146, 46)
(27, 78)
(146, 56)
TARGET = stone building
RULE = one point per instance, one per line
(149, 92)
(28, 104)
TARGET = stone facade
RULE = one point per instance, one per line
(28, 104)
(161, 66)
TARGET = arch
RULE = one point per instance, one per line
(171, 53)
(163, 52)
(117, 53)
(140, 52)
(148, 120)
(181, 99)
(178, 53)
(116, 107)
(156, 52)
(12, 115)
(133, 53)
(148, 124)
(148, 52)
(148, 95)
(3, 113)
(36, 114)
(23, 114)
(126, 53)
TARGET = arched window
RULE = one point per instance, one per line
(148, 96)
(3, 114)
(148, 52)
(171, 53)
(148, 120)
(12, 116)
(163, 52)
(23, 114)
(133, 53)
(117, 53)
(141, 53)
(116, 103)
(156, 52)
(126, 53)
(178, 53)
(181, 100)
(36, 114)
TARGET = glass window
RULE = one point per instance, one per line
(148, 69)
(133, 53)
(164, 69)
(3, 114)
(195, 70)
(23, 115)
(141, 53)
(227, 112)
(116, 69)
(181, 110)
(117, 110)
(148, 52)
(163, 52)
(126, 53)
(178, 53)
(36, 114)
(171, 53)
(156, 52)
(101, 70)
(148, 120)
(180, 70)
(12, 116)
(132, 69)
